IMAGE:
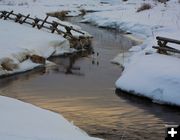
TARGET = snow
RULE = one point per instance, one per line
(18, 41)
(154, 76)
(123, 16)
(40, 7)
(22, 121)
(150, 74)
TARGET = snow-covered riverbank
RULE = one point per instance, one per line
(22, 121)
(154, 76)
(17, 42)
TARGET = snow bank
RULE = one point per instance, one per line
(148, 73)
(124, 16)
(18, 41)
(154, 76)
(22, 121)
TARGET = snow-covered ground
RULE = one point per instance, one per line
(22, 121)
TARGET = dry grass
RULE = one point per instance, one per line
(37, 59)
(8, 64)
(59, 14)
(162, 1)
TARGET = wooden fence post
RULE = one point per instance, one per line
(40, 26)
(54, 26)
(6, 16)
(35, 23)
(3, 14)
(22, 21)
(18, 18)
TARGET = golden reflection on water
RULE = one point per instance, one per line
(96, 114)
(94, 108)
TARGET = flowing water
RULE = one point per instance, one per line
(82, 90)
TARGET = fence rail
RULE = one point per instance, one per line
(162, 47)
(52, 26)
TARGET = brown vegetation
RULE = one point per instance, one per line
(60, 14)
(8, 64)
(144, 6)
(37, 59)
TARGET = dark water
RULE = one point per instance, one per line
(82, 90)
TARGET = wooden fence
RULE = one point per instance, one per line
(38, 23)
(163, 48)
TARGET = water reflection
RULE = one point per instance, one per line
(7, 80)
(161, 111)
(67, 64)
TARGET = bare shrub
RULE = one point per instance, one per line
(163, 1)
(83, 12)
(144, 6)
(23, 4)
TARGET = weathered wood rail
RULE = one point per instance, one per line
(53, 26)
(162, 47)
